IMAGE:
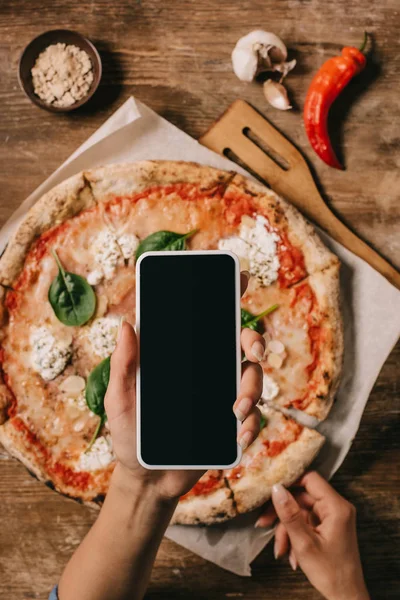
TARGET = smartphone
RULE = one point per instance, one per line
(188, 326)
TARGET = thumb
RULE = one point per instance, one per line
(290, 515)
(121, 391)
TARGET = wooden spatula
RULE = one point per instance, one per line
(286, 171)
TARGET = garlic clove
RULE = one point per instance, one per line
(72, 385)
(276, 347)
(244, 64)
(275, 361)
(248, 221)
(276, 94)
(259, 51)
(285, 67)
(101, 306)
(244, 263)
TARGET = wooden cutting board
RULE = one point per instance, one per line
(243, 135)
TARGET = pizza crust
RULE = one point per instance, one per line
(59, 204)
(14, 442)
(131, 178)
(300, 232)
(326, 286)
(215, 507)
(255, 488)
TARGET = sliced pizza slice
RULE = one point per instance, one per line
(304, 342)
(280, 454)
(209, 501)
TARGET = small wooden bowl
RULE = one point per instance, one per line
(36, 46)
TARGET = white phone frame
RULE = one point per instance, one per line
(238, 355)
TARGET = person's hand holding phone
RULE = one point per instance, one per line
(120, 405)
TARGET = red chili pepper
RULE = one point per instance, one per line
(326, 86)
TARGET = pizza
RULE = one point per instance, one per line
(80, 240)
(282, 451)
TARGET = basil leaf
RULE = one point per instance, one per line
(96, 387)
(247, 317)
(253, 321)
(263, 422)
(71, 297)
(96, 432)
(164, 240)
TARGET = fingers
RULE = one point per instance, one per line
(120, 394)
(250, 429)
(282, 542)
(269, 516)
(250, 390)
(244, 281)
(327, 501)
(253, 344)
(290, 515)
(318, 487)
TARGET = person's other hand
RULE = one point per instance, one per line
(317, 527)
(120, 405)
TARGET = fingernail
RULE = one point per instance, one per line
(246, 274)
(243, 408)
(292, 561)
(257, 351)
(245, 440)
(279, 493)
(120, 324)
(276, 551)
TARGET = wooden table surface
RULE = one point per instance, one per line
(174, 55)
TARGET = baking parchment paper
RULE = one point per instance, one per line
(371, 312)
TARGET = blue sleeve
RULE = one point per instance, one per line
(54, 595)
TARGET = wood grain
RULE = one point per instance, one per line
(175, 56)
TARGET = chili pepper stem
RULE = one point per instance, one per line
(362, 47)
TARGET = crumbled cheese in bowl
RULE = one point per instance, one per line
(103, 335)
(49, 356)
(255, 245)
(62, 75)
(99, 456)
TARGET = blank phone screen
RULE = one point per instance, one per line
(188, 359)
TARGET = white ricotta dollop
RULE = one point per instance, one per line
(99, 456)
(128, 242)
(257, 246)
(109, 249)
(107, 252)
(270, 388)
(103, 335)
(95, 276)
(49, 356)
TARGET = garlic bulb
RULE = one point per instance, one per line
(260, 51)
(276, 95)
